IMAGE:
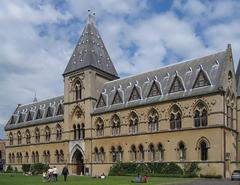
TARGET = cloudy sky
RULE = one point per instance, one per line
(38, 36)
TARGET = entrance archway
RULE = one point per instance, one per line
(78, 162)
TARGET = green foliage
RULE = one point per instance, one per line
(38, 168)
(26, 168)
(15, 170)
(9, 169)
(150, 169)
(191, 168)
(210, 176)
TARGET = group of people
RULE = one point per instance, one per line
(51, 175)
(140, 179)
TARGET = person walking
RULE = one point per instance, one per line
(65, 172)
(55, 173)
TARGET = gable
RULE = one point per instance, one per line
(176, 85)
(60, 110)
(201, 80)
(49, 112)
(101, 102)
(39, 114)
(154, 90)
(117, 98)
(135, 94)
(29, 116)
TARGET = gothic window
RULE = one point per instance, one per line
(151, 152)
(11, 138)
(74, 132)
(26, 157)
(116, 125)
(200, 115)
(28, 137)
(114, 154)
(160, 152)
(155, 90)
(117, 98)
(101, 102)
(141, 152)
(100, 127)
(133, 125)
(58, 132)
(60, 110)
(96, 153)
(201, 80)
(49, 112)
(153, 121)
(10, 158)
(19, 137)
(78, 131)
(133, 153)
(230, 78)
(182, 151)
(102, 154)
(29, 116)
(82, 130)
(39, 114)
(33, 158)
(47, 134)
(48, 157)
(37, 135)
(134, 95)
(204, 150)
(119, 156)
(176, 85)
(20, 119)
(36, 157)
(13, 158)
(45, 156)
(57, 156)
(61, 156)
(175, 118)
(78, 90)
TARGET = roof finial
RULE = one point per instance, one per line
(35, 97)
(91, 18)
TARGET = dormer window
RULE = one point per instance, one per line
(39, 114)
(135, 94)
(49, 112)
(60, 110)
(176, 85)
(201, 80)
(155, 90)
(20, 119)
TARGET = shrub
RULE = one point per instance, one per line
(26, 168)
(191, 169)
(38, 168)
(15, 170)
(211, 176)
(9, 169)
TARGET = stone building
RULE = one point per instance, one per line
(2, 154)
(185, 112)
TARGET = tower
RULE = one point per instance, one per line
(88, 69)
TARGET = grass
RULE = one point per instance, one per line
(7, 179)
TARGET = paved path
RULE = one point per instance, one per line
(210, 182)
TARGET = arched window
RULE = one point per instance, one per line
(61, 158)
(82, 131)
(26, 157)
(13, 158)
(119, 154)
(102, 154)
(133, 153)
(153, 121)
(200, 115)
(10, 158)
(58, 132)
(17, 158)
(96, 153)
(47, 134)
(141, 152)
(204, 151)
(57, 156)
(45, 156)
(75, 132)
(160, 152)
(182, 151)
(19, 136)
(133, 125)
(113, 152)
(48, 157)
(37, 135)
(10, 138)
(230, 104)
(175, 118)
(78, 90)
(151, 152)
(36, 157)
(78, 131)
(21, 158)
(28, 137)
(100, 127)
(116, 125)
(33, 157)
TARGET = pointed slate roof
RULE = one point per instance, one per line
(90, 51)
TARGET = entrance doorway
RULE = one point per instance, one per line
(78, 162)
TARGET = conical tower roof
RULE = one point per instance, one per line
(91, 52)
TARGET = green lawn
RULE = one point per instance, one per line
(6, 179)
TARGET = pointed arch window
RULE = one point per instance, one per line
(26, 157)
(99, 127)
(203, 150)
(116, 125)
(133, 153)
(28, 137)
(47, 134)
(13, 158)
(96, 155)
(102, 154)
(133, 125)
(153, 121)
(60, 110)
(155, 90)
(33, 158)
(141, 153)
(182, 151)
(49, 112)
(58, 133)
(152, 152)
(82, 130)
(160, 152)
(175, 118)
(10, 138)
(74, 132)
(61, 156)
(201, 80)
(119, 156)
(78, 90)
(117, 98)
(200, 115)
(36, 157)
(37, 135)
(135, 95)
(101, 102)
(114, 154)
(176, 85)
(19, 137)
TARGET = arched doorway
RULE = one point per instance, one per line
(78, 162)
